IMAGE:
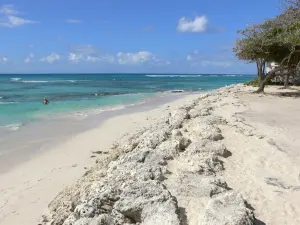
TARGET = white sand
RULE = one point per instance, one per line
(263, 135)
(26, 191)
(266, 171)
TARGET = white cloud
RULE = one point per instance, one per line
(79, 52)
(109, 59)
(87, 53)
(3, 60)
(198, 25)
(73, 21)
(135, 58)
(93, 59)
(53, 57)
(8, 10)
(215, 63)
(9, 19)
(192, 56)
(74, 57)
(29, 58)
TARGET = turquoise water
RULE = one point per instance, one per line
(21, 96)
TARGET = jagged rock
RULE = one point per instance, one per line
(127, 186)
(228, 208)
(210, 132)
(189, 105)
(200, 111)
(71, 219)
(82, 221)
(205, 146)
(212, 120)
(177, 117)
(103, 219)
(162, 213)
(193, 185)
(84, 210)
(204, 164)
(152, 138)
(138, 165)
(204, 96)
(144, 201)
(64, 204)
(183, 143)
(176, 133)
(168, 149)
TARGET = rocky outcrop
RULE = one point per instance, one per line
(227, 208)
(150, 176)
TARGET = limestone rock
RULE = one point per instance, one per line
(216, 148)
(193, 185)
(143, 201)
(210, 132)
(136, 183)
(228, 208)
(200, 111)
(177, 117)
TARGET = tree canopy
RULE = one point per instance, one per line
(274, 40)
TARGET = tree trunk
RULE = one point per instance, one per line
(260, 70)
(286, 81)
(262, 85)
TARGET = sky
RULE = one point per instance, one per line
(133, 36)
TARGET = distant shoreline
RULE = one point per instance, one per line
(59, 127)
(125, 74)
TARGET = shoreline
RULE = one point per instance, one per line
(41, 176)
(84, 112)
(54, 131)
(180, 160)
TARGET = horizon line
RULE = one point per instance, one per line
(102, 73)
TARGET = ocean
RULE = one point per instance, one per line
(21, 96)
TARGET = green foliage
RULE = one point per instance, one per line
(276, 40)
(255, 83)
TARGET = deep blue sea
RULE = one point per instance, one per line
(21, 96)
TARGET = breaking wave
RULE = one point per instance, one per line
(15, 78)
(46, 81)
(7, 103)
(14, 126)
(182, 75)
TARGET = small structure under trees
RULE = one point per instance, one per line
(276, 40)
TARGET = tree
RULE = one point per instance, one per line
(292, 3)
(251, 48)
(275, 40)
(284, 49)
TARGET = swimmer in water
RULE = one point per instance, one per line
(46, 102)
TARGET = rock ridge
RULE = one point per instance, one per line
(157, 174)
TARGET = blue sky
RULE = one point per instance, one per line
(191, 36)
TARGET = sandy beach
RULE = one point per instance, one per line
(27, 188)
(223, 157)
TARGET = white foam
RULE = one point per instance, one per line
(7, 103)
(15, 78)
(52, 81)
(110, 108)
(228, 75)
(182, 75)
(14, 126)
